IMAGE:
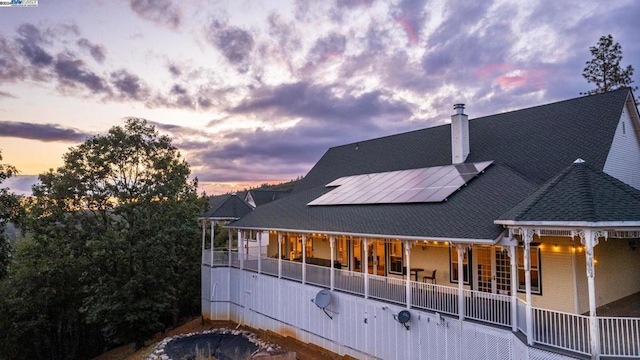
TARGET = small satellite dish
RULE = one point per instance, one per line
(403, 318)
(322, 300)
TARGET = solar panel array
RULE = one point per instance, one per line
(425, 185)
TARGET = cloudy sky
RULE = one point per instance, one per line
(256, 91)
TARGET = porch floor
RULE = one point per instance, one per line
(628, 306)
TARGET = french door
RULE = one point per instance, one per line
(493, 270)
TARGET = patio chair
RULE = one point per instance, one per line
(431, 277)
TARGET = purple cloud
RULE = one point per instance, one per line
(72, 72)
(41, 132)
(129, 85)
(98, 52)
(161, 12)
(29, 44)
(235, 43)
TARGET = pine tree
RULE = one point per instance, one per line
(604, 70)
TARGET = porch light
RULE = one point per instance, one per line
(424, 245)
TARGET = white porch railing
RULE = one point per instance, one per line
(292, 270)
(561, 330)
(235, 259)
(438, 298)
(348, 281)
(269, 266)
(250, 262)
(318, 275)
(220, 257)
(619, 336)
(206, 257)
(386, 288)
(487, 307)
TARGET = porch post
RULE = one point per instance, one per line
(279, 255)
(204, 237)
(407, 254)
(589, 238)
(527, 237)
(365, 261)
(259, 236)
(462, 249)
(241, 248)
(332, 273)
(229, 247)
(304, 258)
(513, 257)
(213, 225)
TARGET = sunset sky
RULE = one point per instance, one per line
(256, 91)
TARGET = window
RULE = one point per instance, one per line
(536, 284)
(453, 273)
(251, 235)
(395, 253)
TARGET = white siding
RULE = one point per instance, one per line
(361, 328)
(623, 161)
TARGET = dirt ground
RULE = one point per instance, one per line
(304, 351)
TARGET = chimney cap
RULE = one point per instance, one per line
(459, 108)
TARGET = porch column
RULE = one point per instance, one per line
(279, 255)
(461, 249)
(204, 237)
(259, 238)
(589, 238)
(332, 273)
(527, 237)
(513, 260)
(230, 245)
(213, 225)
(407, 254)
(365, 261)
(304, 258)
(241, 248)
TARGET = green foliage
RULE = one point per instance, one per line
(114, 247)
(604, 70)
(10, 210)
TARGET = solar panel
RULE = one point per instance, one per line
(432, 184)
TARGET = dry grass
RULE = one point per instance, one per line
(303, 350)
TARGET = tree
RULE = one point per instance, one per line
(9, 210)
(126, 212)
(604, 70)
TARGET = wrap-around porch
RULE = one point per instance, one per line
(617, 336)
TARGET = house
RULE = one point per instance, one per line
(497, 237)
(258, 197)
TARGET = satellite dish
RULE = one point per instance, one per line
(323, 299)
(403, 318)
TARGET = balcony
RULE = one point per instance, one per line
(618, 336)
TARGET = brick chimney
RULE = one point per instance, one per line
(459, 135)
